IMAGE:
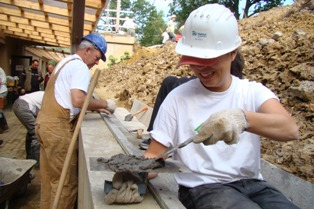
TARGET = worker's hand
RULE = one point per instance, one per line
(111, 105)
(225, 125)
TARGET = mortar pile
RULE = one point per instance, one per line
(278, 48)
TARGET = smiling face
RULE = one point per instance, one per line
(215, 76)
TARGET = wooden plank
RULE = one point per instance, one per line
(4, 17)
(96, 140)
(158, 186)
(19, 20)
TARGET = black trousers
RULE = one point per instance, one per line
(243, 194)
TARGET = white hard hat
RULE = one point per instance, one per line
(172, 16)
(210, 31)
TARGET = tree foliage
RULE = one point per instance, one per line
(153, 29)
(182, 8)
(147, 18)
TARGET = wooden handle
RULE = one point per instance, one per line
(142, 110)
(74, 139)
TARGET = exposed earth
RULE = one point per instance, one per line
(278, 48)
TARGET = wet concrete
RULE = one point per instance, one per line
(132, 163)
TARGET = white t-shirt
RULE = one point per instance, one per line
(165, 37)
(170, 27)
(129, 24)
(74, 75)
(34, 101)
(3, 83)
(188, 106)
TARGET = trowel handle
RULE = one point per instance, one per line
(138, 112)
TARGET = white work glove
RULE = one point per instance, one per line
(224, 125)
(111, 105)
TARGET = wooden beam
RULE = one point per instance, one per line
(95, 4)
(78, 11)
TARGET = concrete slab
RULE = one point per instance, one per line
(133, 125)
(96, 140)
(163, 187)
(143, 117)
(300, 192)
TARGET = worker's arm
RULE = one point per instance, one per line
(272, 121)
(101, 105)
(154, 150)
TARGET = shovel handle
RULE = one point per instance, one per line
(142, 110)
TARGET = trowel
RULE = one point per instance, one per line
(183, 144)
(172, 149)
(129, 117)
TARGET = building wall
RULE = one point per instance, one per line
(117, 45)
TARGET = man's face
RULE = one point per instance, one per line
(50, 68)
(35, 65)
(216, 76)
(93, 57)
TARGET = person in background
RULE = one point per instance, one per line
(50, 67)
(55, 124)
(31, 78)
(171, 82)
(3, 94)
(171, 27)
(130, 26)
(26, 109)
(223, 116)
(165, 37)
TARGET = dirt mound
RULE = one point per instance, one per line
(278, 47)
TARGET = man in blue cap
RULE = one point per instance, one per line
(63, 99)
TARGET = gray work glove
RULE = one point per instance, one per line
(224, 125)
(111, 105)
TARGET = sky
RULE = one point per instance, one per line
(161, 5)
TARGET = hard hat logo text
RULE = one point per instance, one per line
(198, 35)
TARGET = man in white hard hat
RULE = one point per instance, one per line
(171, 28)
(224, 116)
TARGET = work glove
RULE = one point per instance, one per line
(125, 189)
(224, 125)
(111, 105)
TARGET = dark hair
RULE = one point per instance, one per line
(237, 65)
(35, 60)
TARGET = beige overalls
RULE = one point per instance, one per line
(54, 131)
